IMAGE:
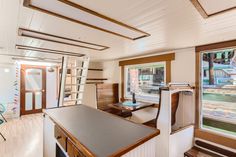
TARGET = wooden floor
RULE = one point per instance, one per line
(24, 137)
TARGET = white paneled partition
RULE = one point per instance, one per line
(148, 149)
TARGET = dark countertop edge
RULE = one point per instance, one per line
(115, 154)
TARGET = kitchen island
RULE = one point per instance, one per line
(81, 131)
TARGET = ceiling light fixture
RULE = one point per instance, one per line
(76, 13)
(51, 51)
(59, 39)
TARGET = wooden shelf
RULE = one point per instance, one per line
(94, 82)
(97, 79)
(91, 69)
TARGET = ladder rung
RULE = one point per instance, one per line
(77, 68)
(73, 92)
(74, 84)
(72, 100)
(69, 75)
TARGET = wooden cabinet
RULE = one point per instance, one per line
(73, 151)
(67, 144)
(60, 137)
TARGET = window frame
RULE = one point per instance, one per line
(142, 98)
(201, 106)
(167, 58)
(203, 133)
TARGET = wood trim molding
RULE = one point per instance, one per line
(199, 8)
(197, 88)
(200, 133)
(168, 71)
(143, 60)
(122, 83)
(22, 30)
(214, 46)
(27, 3)
(215, 138)
(203, 12)
(45, 50)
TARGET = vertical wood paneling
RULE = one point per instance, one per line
(148, 149)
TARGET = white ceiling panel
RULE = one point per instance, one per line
(215, 6)
(173, 24)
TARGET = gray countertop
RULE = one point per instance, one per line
(103, 134)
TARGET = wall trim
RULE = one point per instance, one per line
(150, 59)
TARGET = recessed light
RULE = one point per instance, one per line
(6, 70)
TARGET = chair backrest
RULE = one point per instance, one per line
(174, 107)
(159, 108)
(107, 94)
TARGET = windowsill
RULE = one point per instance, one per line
(215, 137)
(218, 133)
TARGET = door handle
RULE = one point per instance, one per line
(43, 90)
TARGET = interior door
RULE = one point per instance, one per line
(33, 89)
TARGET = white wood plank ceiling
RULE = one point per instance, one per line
(173, 24)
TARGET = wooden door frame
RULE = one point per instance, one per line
(22, 90)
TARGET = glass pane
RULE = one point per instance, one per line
(144, 80)
(33, 79)
(38, 100)
(28, 101)
(219, 91)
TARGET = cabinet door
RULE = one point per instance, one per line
(60, 137)
(72, 151)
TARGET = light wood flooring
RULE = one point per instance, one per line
(24, 137)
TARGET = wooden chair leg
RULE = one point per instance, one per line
(3, 136)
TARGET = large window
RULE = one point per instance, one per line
(144, 80)
(218, 91)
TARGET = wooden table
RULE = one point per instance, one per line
(140, 105)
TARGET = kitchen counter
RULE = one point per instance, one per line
(100, 134)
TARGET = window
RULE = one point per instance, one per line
(218, 91)
(144, 80)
